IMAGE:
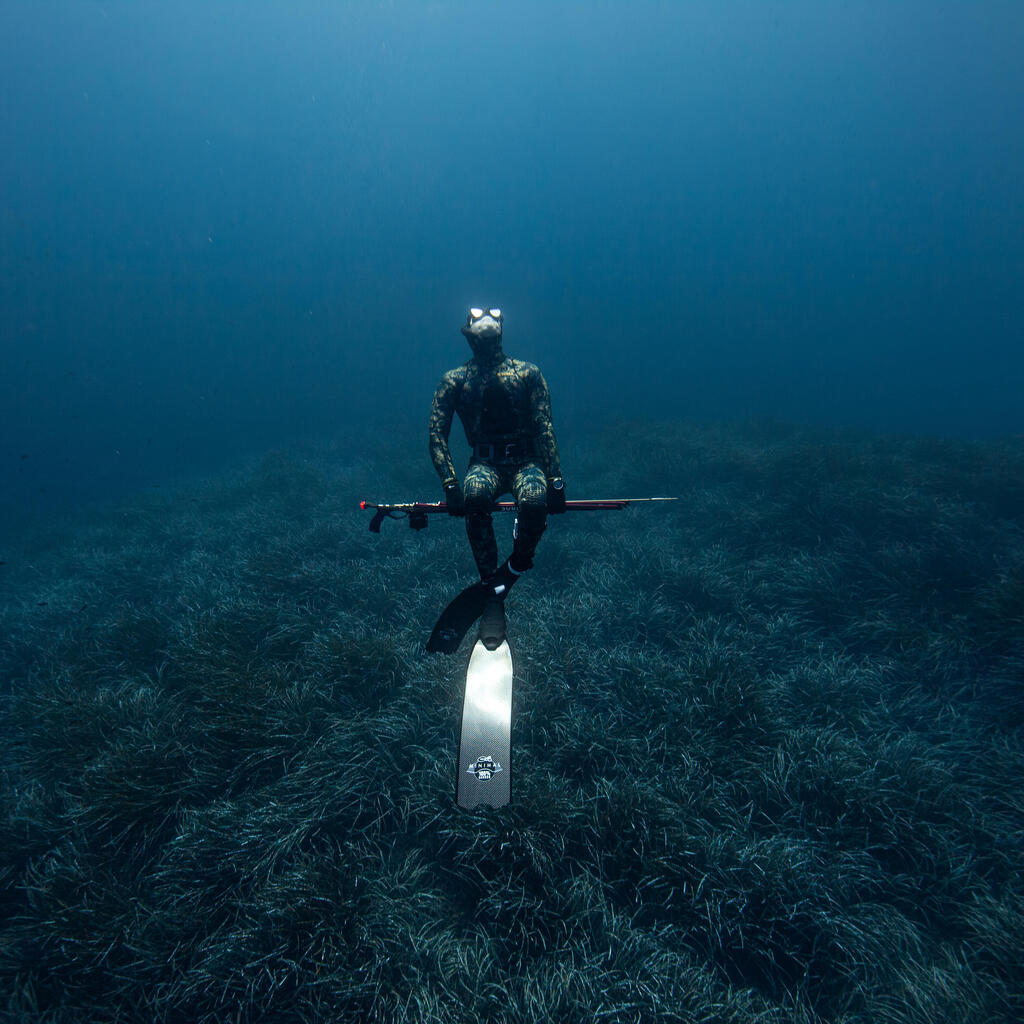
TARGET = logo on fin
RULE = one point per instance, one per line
(484, 767)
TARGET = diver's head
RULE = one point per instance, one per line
(483, 331)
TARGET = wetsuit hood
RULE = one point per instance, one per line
(483, 332)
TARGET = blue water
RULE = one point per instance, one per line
(228, 226)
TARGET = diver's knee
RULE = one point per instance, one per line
(478, 504)
(533, 517)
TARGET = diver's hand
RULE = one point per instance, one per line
(454, 499)
(556, 495)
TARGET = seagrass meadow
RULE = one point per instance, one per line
(768, 758)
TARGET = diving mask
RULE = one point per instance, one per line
(483, 323)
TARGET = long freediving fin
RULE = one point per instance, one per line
(483, 773)
(466, 607)
(455, 621)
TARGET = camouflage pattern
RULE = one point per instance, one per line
(499, 401)
(485, 483)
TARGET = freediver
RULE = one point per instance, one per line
(505, 409)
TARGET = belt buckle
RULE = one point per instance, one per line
(485, 451)
(509, 454)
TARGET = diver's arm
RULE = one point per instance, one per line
(441, 411)
(547, 446)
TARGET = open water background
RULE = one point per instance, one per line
(229, 226)
(767, 738)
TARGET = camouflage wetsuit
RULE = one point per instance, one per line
(505, 410)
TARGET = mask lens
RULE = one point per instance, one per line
(475, 314)
(496, 313)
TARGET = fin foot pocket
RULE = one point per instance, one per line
(492, 623)
(502, 581)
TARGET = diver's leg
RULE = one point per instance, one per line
(530, 489)
(482, 487)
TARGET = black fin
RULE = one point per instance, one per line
(492, 623)
(501, 582)
(466, 607)
(462, 611)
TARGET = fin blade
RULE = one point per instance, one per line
(484, 767)
(455, 621)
